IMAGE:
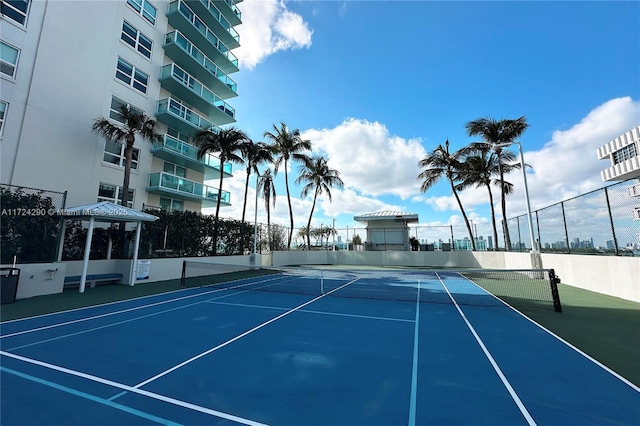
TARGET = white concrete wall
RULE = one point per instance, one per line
(611, 275)
(37, 279)
(614, 276)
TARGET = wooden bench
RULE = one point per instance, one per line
(93, 279)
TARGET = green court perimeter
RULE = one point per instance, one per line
(604, 327)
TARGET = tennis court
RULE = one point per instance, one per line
(319, 348)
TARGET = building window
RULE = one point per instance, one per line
(113, 193)
(136, 39)
(171, 204)
(115, 113)
(16, 10)
(132, 76)
(3, 111)
(144, 8)
(114, 154)
(625, 153)
(174, 169)
(8, 59)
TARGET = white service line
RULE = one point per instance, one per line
(207, 352)
(309, 311)
(132, 389)
(61, 324)
(493, 362)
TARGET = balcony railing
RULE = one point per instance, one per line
(212, 102)
(189, 153)
(185, 188)
(198, 24)
(181, 117)
(178, 39)
(234, 8)
(224, 23)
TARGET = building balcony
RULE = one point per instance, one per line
(221, 23)
(634, 190)
(175, 114)
(183, 19)
(229, 10)
(179, 82)
(182, 51)
(186, 155)
(177, 187)
(624, 170)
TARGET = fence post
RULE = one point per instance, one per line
(453, 242)
(539, 248)
(613, 228)
(566, 233)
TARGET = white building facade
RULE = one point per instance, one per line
(623, 154)
(66, 63)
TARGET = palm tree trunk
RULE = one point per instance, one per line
(269, 228)
(286, 182)
(244, 209)
(464, 215)
(246, 189)
(313, 206)
(215, 223)
(128, 158)
(493, 216)
(505, 227)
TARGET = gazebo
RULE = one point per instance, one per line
(106, 211)
(387, 230)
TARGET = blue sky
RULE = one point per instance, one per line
(376, 85)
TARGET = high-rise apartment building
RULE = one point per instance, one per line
(66, 63)
(623, 154)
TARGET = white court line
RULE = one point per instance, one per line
(118, 312)
(132, 389)
(493, 362)
(413, 401)
(308, 311)
(207, 352)
(113, 324)
(579, 351)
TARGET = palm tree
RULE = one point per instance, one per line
(440, 162)
(133, 124)
(268, 191)
(320, 179)
(480, 166)
(227, 143)
(498, 134)
(288, 145)
(254, 154)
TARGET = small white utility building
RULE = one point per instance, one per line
(387, 230)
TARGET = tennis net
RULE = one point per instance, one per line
(533, 288)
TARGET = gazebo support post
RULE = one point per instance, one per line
(134, 265)
(87, 252)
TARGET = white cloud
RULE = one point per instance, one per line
(370, 159)
(268, 27)
(565, 167)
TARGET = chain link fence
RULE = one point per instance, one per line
(604, 221)
(31, 224)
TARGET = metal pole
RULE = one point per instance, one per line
(526, 195)
(255, 223)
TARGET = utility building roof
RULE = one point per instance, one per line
(388, 215)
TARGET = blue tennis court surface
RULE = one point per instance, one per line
(213, 356)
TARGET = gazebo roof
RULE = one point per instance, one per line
(388, 215)
(106, 211)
